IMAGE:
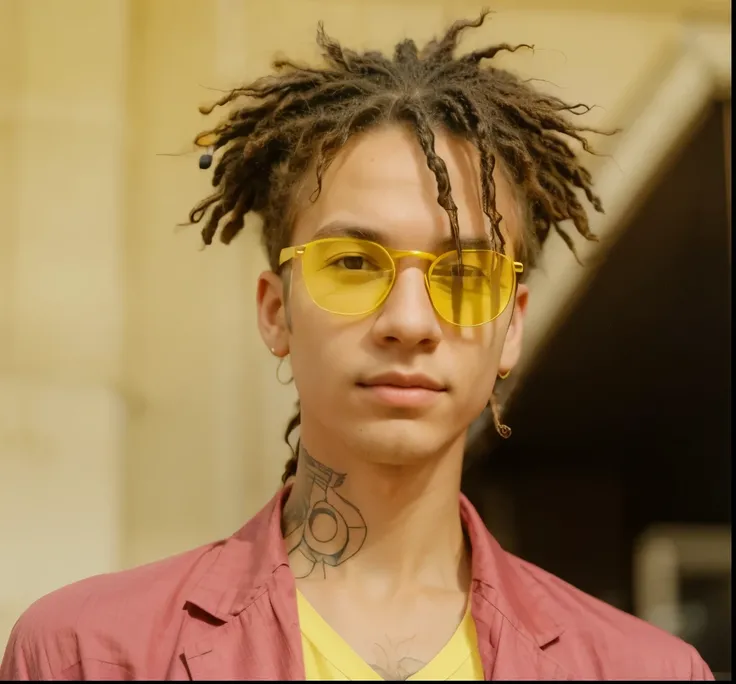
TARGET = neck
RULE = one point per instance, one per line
(359, 522)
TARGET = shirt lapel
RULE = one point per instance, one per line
(512, 622)
(248, 597)
(258, 644)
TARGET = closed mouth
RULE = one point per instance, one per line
(404, 381)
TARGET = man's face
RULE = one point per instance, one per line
(380, 181)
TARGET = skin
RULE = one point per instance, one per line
(372, 520)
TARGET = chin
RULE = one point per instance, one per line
(402, 441)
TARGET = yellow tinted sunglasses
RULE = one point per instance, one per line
(353, 277)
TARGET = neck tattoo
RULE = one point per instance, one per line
(321, 528)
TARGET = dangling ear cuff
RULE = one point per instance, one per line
(503, 430)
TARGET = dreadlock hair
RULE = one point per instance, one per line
(301, 116)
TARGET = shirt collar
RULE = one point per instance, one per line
(245, 563)
(503, 582)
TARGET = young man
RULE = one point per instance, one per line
(402, 200)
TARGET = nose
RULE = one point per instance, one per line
(407, 317)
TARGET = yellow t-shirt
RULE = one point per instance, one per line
(327, 657)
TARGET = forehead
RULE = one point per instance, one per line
(381, 181)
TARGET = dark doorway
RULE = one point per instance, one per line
(624, 420)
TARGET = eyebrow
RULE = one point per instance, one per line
(351, 230)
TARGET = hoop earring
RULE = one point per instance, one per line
(503, 430)
(503, 376)
(278, 373)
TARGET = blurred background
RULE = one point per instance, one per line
(139, 410)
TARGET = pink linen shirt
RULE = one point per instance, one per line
(228, 611)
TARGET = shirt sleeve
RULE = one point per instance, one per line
(24, 660)
(699, 670)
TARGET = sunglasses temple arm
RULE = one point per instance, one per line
(287, 254)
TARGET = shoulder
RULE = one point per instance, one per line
(135, 623)
(602, 641)
(110, 619)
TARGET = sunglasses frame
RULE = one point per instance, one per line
(294, 252)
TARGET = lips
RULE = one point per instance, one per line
(404, 381)
(403, 392)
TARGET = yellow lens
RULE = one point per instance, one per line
(474, 292)
(346, 276)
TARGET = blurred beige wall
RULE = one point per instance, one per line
(139, 410)
(62, 290)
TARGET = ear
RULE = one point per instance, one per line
(272, 318)
(515, 333)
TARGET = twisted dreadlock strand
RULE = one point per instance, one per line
(417, 116)
(294, 122)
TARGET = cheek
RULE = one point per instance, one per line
(318, 344)
(478, 373)
(483, 342)
(477, 354)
